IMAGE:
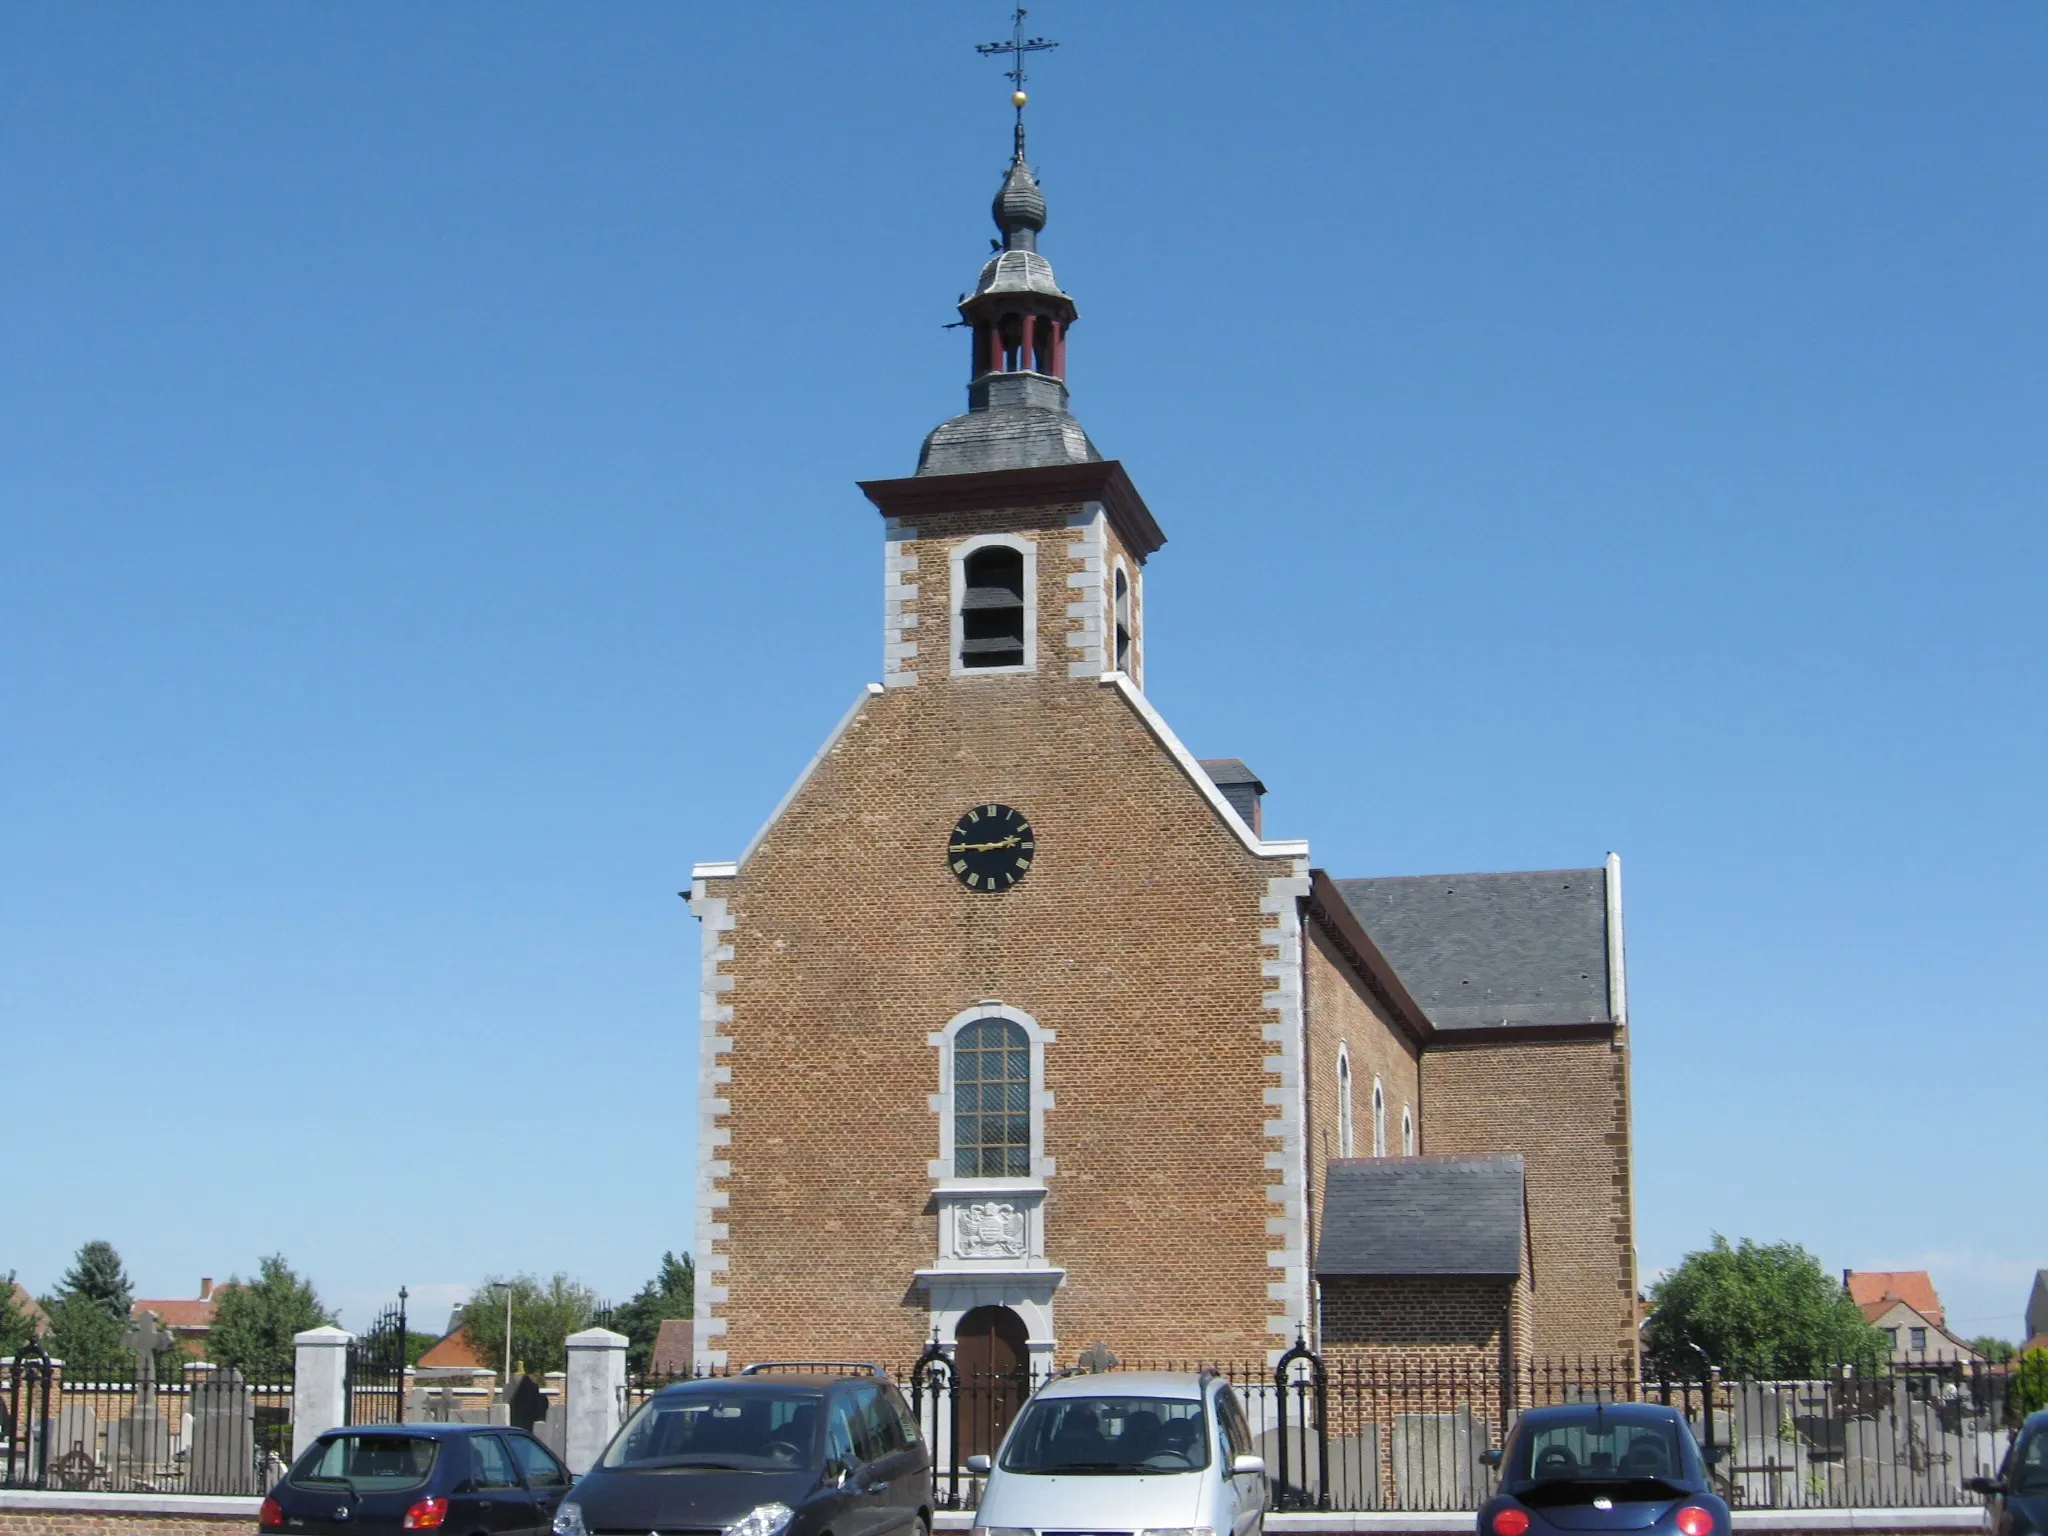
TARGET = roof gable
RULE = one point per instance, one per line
(1486, 950)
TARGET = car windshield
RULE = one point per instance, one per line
(750, 1429)
(1109, 1435)
(366, 1462)
(1593, 1447)
(2030, 1464)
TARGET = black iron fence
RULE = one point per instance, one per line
(1368, 1434)
(188, 1427)
(374, 1392)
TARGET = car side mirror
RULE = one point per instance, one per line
(978, 1465)
(1245, 1464)
(1983, 1485)
(1489, 1458)
(837, 1472)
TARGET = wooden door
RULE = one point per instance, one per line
(993, 1359)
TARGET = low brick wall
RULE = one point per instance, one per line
(26, 1512)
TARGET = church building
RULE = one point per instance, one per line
(1018, 1031)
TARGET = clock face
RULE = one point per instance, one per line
(991, 848)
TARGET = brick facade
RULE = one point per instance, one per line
(1141, 940)
(1563, 1104)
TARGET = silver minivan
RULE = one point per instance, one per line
(1168, 1453)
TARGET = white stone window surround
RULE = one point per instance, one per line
(941, 1167)
(1087, 656)
(1407, 1131)
(1379, 1119)
(957, 594)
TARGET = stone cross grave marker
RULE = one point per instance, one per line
(1098, 1359)
(141, 1437)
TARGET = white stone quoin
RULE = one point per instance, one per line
(319, 1382)
(596, 1388)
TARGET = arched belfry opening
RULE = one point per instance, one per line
(992, 607)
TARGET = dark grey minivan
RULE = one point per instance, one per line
(778, 1450)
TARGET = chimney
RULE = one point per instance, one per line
(206, 1289)
(1240, 786)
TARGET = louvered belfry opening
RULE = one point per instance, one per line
(992, 608)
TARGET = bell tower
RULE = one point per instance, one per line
(1016, 549)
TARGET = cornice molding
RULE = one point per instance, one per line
(1102, 480)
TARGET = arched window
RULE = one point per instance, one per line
(992, 608)
(1344, 1132)
(1407, 1131)
(992, 1101)
(1379, 1119)
(1041, 344)
(1123, 622)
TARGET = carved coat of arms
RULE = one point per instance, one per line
(988, 1230)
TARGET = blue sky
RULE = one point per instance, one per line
(427, 438)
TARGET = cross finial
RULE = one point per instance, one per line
(1016, 48)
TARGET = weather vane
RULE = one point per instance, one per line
(1016, 48)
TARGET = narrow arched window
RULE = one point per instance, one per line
(992, 608)
(1379, 1119)
(1407, 1131)
(1344, 1131)
(1123, 622)
(992, 1101)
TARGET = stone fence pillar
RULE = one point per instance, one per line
(595, 1395)
(319, 1384)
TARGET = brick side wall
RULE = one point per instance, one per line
(1564, 1107)
(1136, 938)
(1339, 1014)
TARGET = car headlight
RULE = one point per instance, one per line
(762, 1520)
(569, 1519)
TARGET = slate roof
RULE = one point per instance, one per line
(1399, 1216)
(1485, 950)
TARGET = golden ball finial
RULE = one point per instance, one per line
(1018, 98)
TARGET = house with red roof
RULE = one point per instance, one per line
(189, 1318)
(1904, 1304)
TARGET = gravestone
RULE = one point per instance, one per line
(222, 1454)
(1436, 1460)
(527, 1405)
(77, 1428)
(141, 1439)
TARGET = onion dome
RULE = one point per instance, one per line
(1019, 208)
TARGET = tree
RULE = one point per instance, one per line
(2029, 1390)
(1761, 1310)
(254, 1320)
(85, 1338)
(96, 1273)
(1994, 1351)
(671, 1293)
(544, 1314)
(17, 1327)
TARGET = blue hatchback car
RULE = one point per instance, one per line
(386, 1479)
(2019, 1494)
(1602, 1467)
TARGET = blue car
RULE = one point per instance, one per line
(1602, 1467)
(2019, 1494)
(387, 1479)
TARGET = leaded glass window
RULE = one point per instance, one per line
(991, 1101)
